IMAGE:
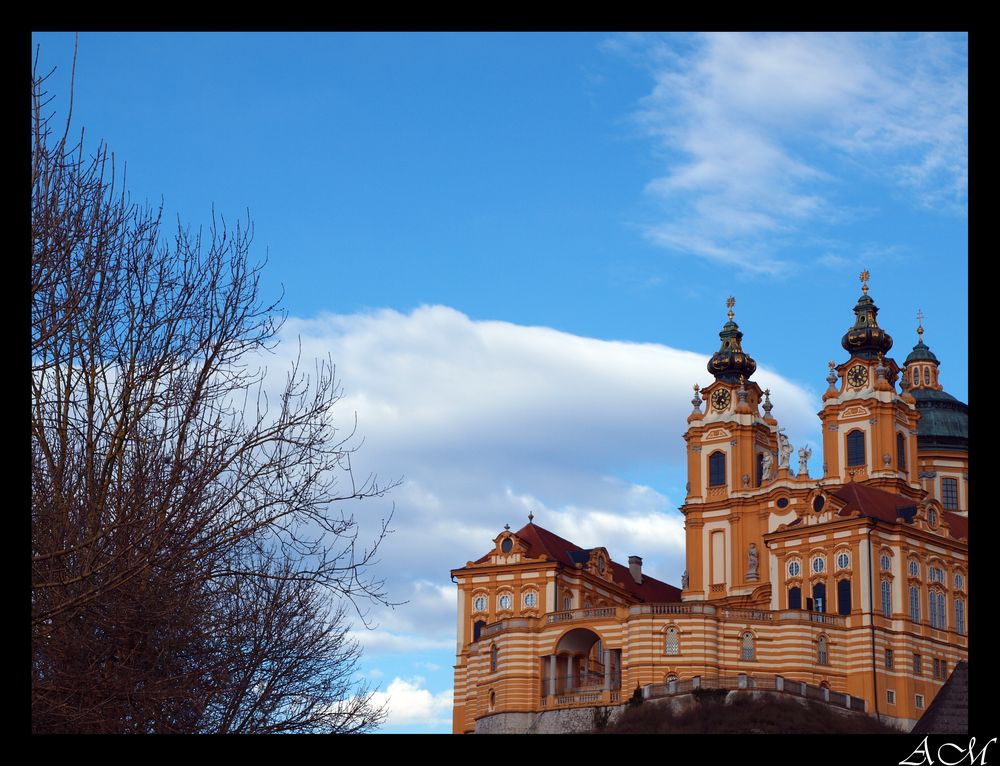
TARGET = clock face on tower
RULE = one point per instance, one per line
(720, 399)
(857, 376)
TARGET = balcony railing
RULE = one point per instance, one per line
(581, 614)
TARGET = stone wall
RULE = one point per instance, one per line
(576, 720)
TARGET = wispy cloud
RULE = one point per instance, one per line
(766, 134)
(490, 420)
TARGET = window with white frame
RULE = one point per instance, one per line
(747, 646)
(959, 581)
(890, 696)
(914, 568)
(843, 560)
(672, 644)
(818, 564)
(794, 568)
(822, 653)
(919, 701)
(914, 603)
(949, 494)
(885, 562)
(886, 599)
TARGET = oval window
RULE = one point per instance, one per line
(507, 545)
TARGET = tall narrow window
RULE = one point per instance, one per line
(494, 657)
(844, 597)
(886, 599)
(932, 608)
(856, 448)
(819, 597)
(717, 469)
(942, 611)
(900, 452)
(917, 665)
(960, 616)
(914, 603)
(927, 376)
(746, 646)
(822, 655)
(672, 643)
(949, 494)
(888, 659)
(794, 598)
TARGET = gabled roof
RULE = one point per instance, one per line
(884, 506)
(541, 541)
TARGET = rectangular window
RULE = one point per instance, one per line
(949, 494)
(888, 659)
(890, 696)
(920, 701)
(917, 665)
(937, 668)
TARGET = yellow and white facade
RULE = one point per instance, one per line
(854, 580)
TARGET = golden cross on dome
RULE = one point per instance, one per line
(730, 302)
(920, 323)
(864, 281)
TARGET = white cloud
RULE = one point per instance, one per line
(490, 420)
(410, 703)
(765, 133)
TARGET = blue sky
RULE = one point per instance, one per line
(517, 249)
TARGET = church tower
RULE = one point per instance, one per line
(869, 429)
(943, 430)
(731, 452)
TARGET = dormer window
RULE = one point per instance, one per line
(507, 545)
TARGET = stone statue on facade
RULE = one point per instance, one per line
(785, 450)
(766, 464)
(804, 454)
(753, 562)
(684, 580)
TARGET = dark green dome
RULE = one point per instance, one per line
(944, 420)
(866, 339)
(730, 362)
(921, 353)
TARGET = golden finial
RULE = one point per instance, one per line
(831, 364)
(730, 302)
(696, 387)
(864, 281)
(920, 325)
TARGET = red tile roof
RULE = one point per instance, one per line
(542, 542)
(879, 504)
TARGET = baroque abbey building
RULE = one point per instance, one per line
(850, 586)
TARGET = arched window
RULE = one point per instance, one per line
(843, 597)
(856, 448)
(746, 646)
(901, 452)
(886, 599)
(672, 644)
(494, 658)
(914, 603)
(927, 376)
(819, 597)
(885, 562)
(822, 655)
(717, 469)
(960, 615)
(794, 598)
(477, 629)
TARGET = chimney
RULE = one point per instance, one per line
(635, 569)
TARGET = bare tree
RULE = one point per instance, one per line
(185, 550)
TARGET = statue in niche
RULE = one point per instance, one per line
(753, 561)
(684, 580)
(767, 462)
